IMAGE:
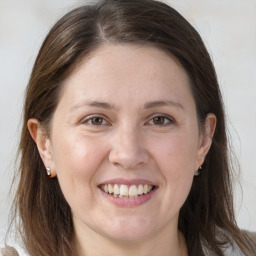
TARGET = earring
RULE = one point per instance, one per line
(198, 172)
(48, 171)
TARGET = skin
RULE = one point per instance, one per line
(127, 141)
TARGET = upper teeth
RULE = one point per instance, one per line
(124, 191)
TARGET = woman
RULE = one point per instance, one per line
(123, 148)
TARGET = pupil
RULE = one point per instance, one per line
(159, 120)
(97, 120)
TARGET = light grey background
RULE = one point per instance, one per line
(229, 31)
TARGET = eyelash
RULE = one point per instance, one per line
(167, 118)
(89, 120)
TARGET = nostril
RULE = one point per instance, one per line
(128, 159)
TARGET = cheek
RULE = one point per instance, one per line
(75, 154)
(175, 154)
(175, 158)
(76, 160)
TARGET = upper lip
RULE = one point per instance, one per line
(128, 182)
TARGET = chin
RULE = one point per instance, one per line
(129, 229)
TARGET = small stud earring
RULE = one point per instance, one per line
(197, 173)
(48, 171)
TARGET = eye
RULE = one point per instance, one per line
(95, 121)
(161, 120)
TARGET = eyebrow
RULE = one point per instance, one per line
(148, 105)
(97, 104)
(154, 104)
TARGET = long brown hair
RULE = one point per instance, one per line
(45, 220)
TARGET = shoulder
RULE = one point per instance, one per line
(251, 239)
(230, 248)
(251, 236)
(234, 250)
(8, 251)
(12, 251)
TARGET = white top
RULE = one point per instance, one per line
(232, 250)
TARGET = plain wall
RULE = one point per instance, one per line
(229, 31)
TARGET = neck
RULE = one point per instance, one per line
(93, 244)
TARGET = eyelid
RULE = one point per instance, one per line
(107, 122)
(170, 119)
(90, 117)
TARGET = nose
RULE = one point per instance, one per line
(128, 149)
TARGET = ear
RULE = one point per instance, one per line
(205, 140)
(43, 144)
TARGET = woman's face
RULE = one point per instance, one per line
(126, 122)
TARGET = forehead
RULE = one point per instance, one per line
(127, 72)
(108, 57)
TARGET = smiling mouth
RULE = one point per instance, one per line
(127, 191)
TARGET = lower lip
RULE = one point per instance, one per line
(129, 202)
